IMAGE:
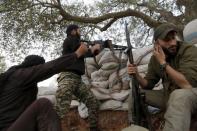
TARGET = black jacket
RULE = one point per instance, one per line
(20, 90)
(70, 45)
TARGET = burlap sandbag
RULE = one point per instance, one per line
(114, 78)
(94, 60)
(142, 56)
(110, 57)
(90, 61)
(98, 57)
(120, 96)
(110, 66)
(124, 85)
(89, 69)
(105, 70)
(100, 84)
(99, 76)
(101, 95)
(102, 75)
(111, 105)
(46, 90)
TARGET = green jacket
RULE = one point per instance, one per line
(185, 62)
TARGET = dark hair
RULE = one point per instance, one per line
(30, 60)
(170, 36)
(70, 28)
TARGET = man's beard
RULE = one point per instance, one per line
(169, 53)
(78, 35)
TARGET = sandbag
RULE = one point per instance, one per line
(101, 75)
(90, 61)
(98, 57)
(111, 105)
(114, 77)
(100, 95)
(48, 86)
(101, 84)
(110, 57)
(120, 96)
(142, 56)
(89, 69)
(106, 70)
(46, 90)
(109, 66)
(120, 86)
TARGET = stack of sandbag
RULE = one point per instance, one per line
(107, 76)
(47, 89)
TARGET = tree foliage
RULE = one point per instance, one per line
(40, 24)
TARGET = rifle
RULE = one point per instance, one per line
(134, 114)
(105, 44)
(138, 112)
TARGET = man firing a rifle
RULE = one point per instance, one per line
(175, 63)
(70, 82)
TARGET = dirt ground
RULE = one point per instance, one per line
(109, 121)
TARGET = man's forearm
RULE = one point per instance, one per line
(143, 82)
(179, 78)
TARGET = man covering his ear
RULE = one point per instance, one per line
(175, 63)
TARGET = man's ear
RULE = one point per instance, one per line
(156, 43)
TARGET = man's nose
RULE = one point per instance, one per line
(172, 42)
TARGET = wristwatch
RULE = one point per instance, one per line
(163, 66)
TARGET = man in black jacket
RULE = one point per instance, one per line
(70, 82)
(19, 109)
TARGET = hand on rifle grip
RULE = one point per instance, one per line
(132, 69)
(82, 50)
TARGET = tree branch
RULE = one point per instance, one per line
(108, 25)
(116, 15)
(113, 16)
(167, 15)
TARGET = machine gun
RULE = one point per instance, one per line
(105, 44)
(138, 112)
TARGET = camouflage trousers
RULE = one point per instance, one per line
(70, 84)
